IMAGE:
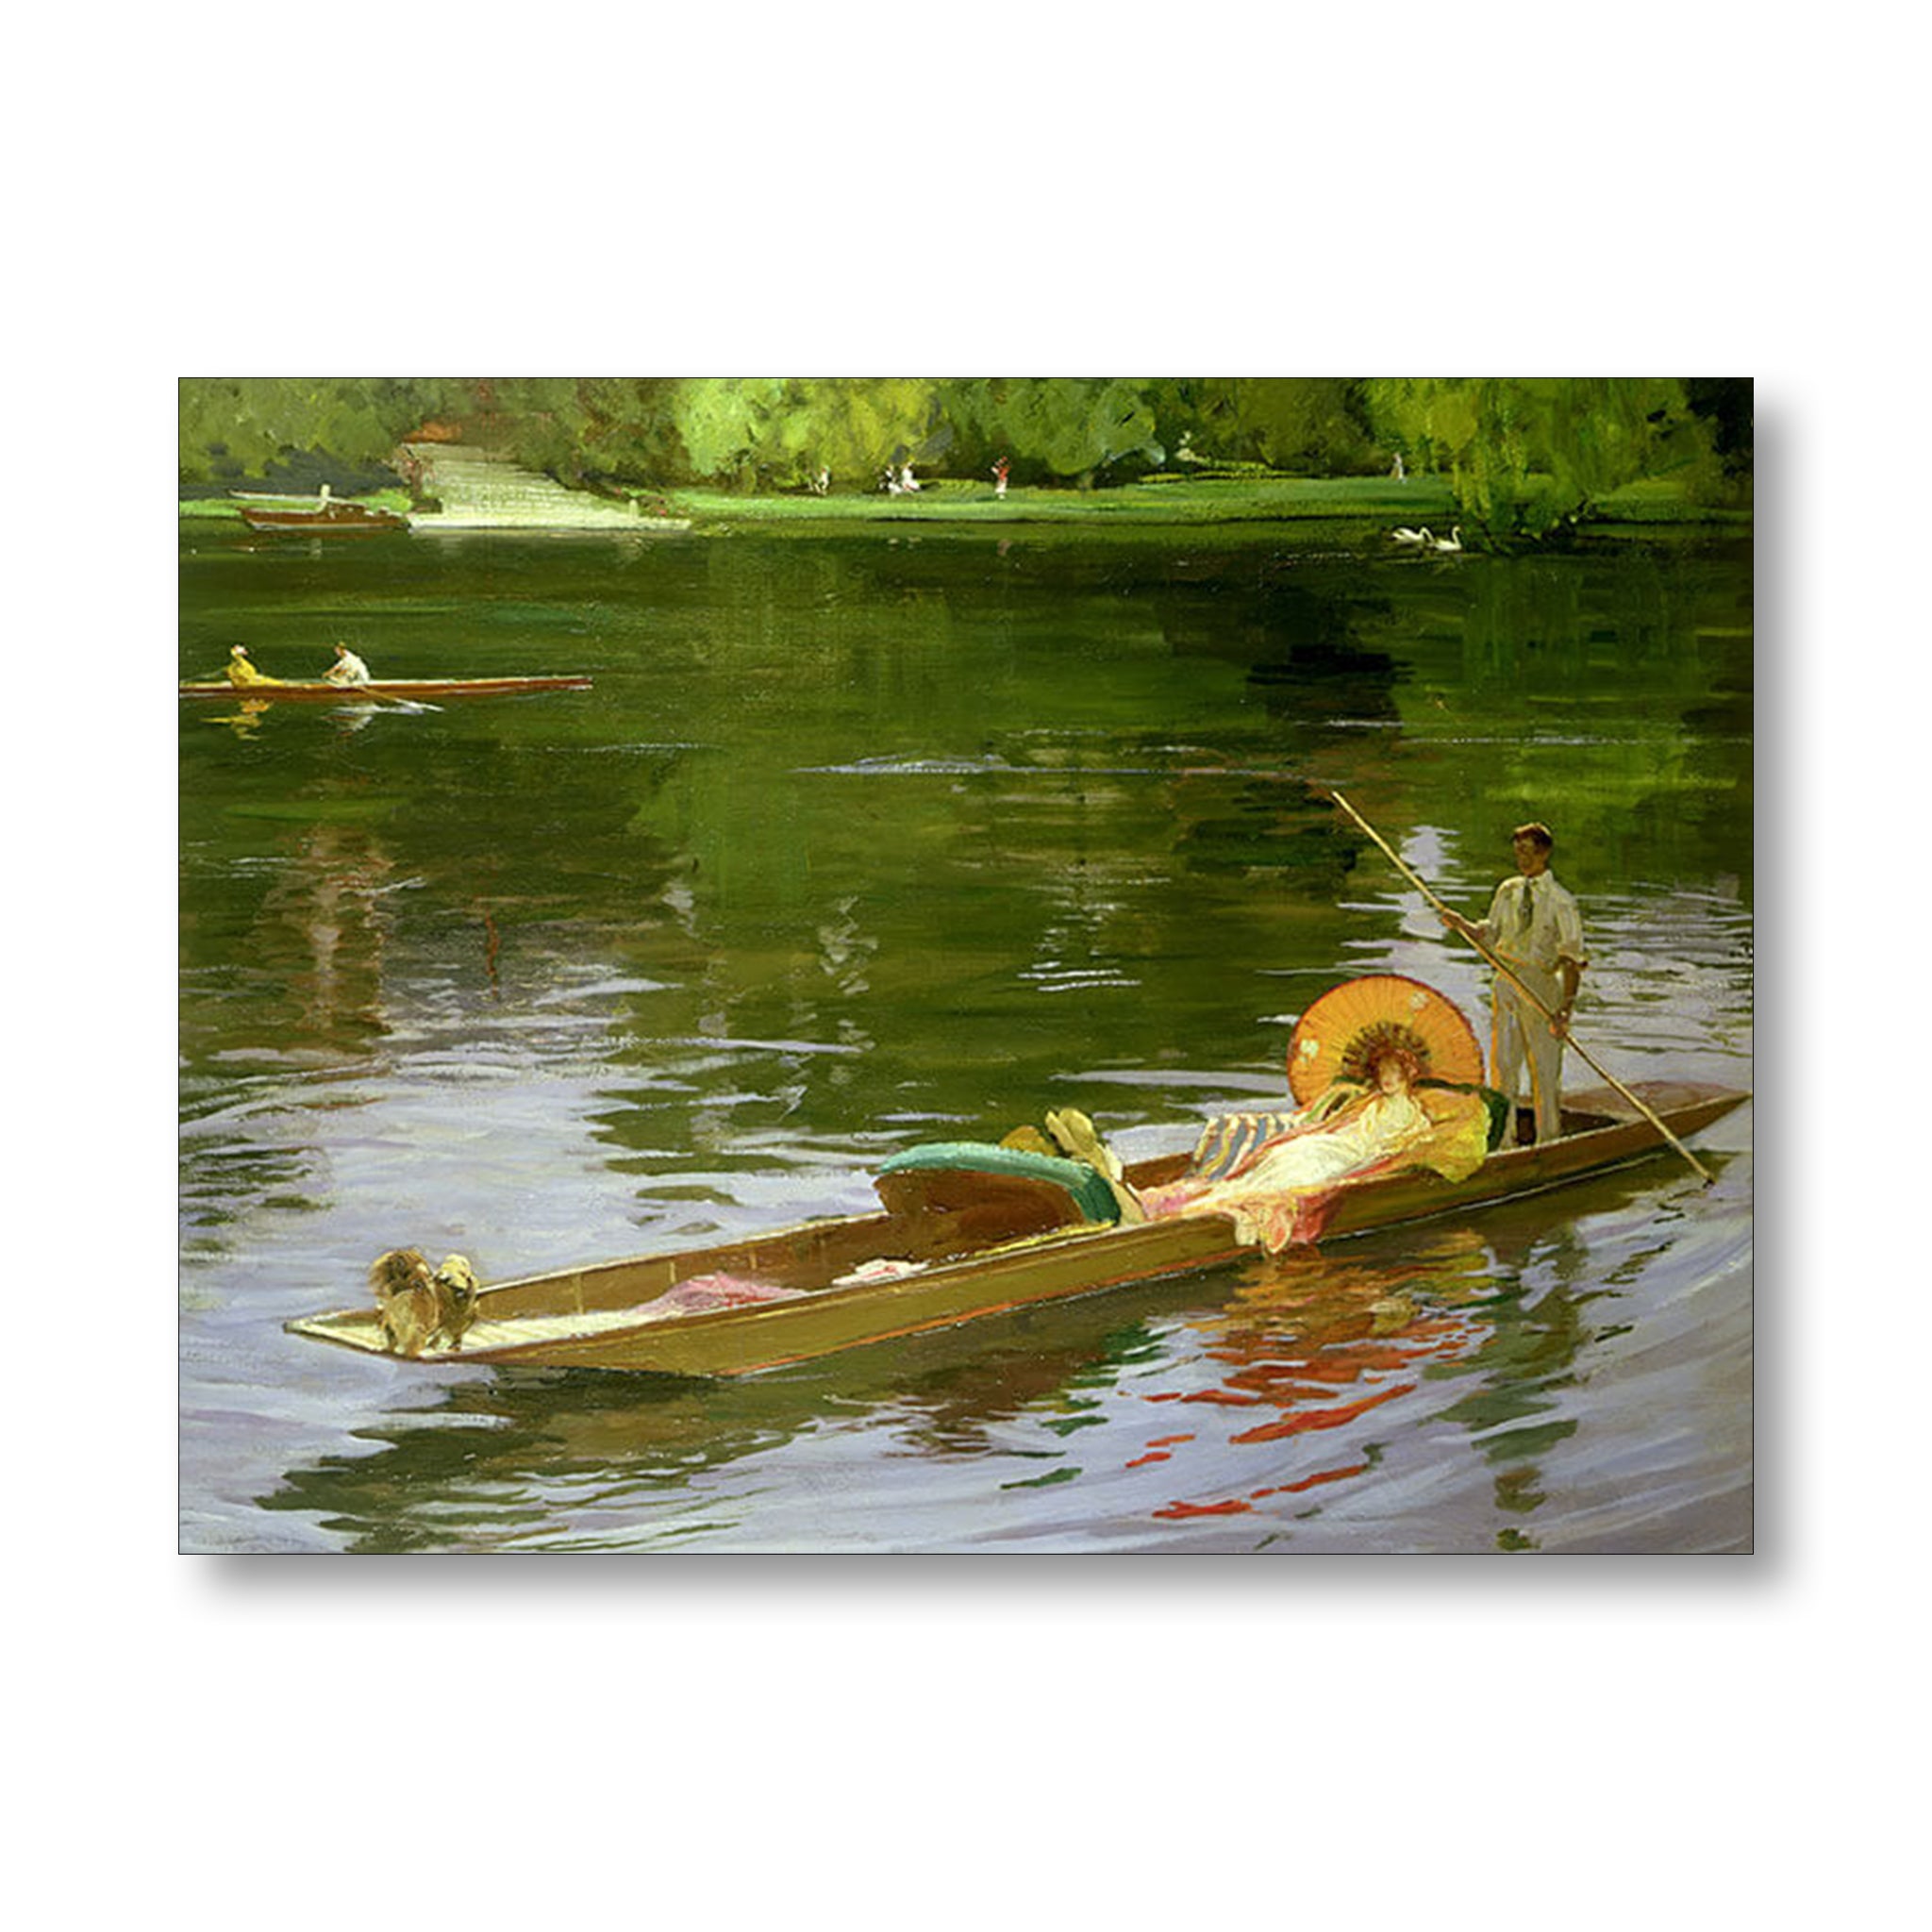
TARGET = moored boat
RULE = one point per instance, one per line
(958, 1242)
(319, 690)
(302, 518)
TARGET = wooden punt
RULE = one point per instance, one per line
(966, 1257)
(319, 690)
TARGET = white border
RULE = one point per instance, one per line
(859, 190)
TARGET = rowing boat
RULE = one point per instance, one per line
(320, 520)
(319, 690)
(954, 1245)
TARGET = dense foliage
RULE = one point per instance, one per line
(1522, 456)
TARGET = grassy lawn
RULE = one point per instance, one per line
(1661, 501)
(1166, 499)
(1159, 500)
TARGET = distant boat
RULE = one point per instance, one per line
(298, 518)
(319, 690)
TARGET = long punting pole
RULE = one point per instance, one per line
(1395, 859)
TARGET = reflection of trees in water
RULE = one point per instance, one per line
(1518, 688)
(283, 954)
(1014, 682)
(327, 899)
(1516, 1385)
(224, 1170)
(1512, 1413)
(1050, 882)
(513, 1459)
(1056, 872)
(306, 990)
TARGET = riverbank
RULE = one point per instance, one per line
(1155, 501)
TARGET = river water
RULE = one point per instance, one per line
(859, 840)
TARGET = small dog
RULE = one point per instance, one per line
(417, 1309)
(457, 1289)
(407, 1302)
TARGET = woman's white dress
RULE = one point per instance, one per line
(1308, 1159)
(1263, 1196)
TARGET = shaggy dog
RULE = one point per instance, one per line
(407, 1302)
(457, 1289)
(417, 1309)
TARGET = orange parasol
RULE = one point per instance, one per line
(1338, 1036)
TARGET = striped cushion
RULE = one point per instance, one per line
(1231, 1139)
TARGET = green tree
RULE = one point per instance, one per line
(722, 423)
(1196, 413)
(1057, 426)
(235, 428)
(595, 431)
(1311, 425)
(1523, 456)
(1528, 455)
(774, 430)
(1726, 403)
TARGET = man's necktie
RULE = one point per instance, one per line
(1528, 906)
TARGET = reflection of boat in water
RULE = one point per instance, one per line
(960, 1242)
(319, 690)
(298, 518)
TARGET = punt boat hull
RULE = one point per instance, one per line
(593, 1317)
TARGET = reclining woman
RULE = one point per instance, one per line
(1277, 1192)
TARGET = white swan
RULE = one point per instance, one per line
(1406, 536)
(1452, 541)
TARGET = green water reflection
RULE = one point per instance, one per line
(857, 841)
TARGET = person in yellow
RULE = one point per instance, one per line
(241, 673)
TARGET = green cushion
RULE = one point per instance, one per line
(1088, 1189)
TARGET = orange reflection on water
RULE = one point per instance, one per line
(1304, 1420)
(1243, 1506)
(1310, 1482)
(1317, 1345)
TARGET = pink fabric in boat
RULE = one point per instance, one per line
(703, 1294)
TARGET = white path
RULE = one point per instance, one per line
(482, 490)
